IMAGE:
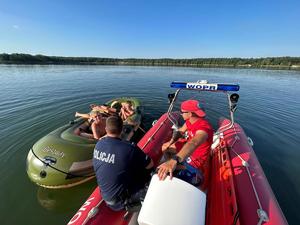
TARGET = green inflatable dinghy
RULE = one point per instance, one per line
(63, 158)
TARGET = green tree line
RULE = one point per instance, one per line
(269, 62)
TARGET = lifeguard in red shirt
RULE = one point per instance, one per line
(196, 149)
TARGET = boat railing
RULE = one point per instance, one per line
(203, 85)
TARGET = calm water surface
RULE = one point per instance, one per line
(35, 100)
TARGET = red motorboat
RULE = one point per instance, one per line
(237, 193)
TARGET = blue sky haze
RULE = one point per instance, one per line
(151, 28)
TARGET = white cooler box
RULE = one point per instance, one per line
(172, 202)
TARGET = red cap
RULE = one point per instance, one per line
(192, 106)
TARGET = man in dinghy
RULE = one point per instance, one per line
(96, 125)
(197, 147)
(121, 168)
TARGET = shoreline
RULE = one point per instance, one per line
(212, 66)
(275, 63)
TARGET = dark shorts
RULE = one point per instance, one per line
(133, 200)
(191, 175)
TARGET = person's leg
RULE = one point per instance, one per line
(116, 206)
(82, 115)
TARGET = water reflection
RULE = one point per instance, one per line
(64, 200)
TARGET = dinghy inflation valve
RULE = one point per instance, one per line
(43, 174)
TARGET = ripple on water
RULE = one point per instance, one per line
(35, 100)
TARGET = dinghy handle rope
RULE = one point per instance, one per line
(262, 214)
(48, 164)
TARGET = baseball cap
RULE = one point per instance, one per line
(193, 106)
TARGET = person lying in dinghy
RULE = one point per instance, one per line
(96, 125)
(124, 112)
(109, 111)
(196, 149)
(121, 168)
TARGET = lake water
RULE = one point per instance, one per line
(35, 100)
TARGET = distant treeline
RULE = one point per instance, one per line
(269, 62)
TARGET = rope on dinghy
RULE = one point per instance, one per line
(66, 185)
(61, 171)
(262, 214)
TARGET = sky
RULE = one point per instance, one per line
(151, 28)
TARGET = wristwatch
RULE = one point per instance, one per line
(176, 158)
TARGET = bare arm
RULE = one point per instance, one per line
(96, 133)
(82, 115)
(169, 143)
(191, 145)
(108, 109)
(186, 151)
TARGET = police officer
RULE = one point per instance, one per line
(121, 168)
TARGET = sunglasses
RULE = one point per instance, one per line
(183, 112)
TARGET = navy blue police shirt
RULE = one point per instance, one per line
(119, 166)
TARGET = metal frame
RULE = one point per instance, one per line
(232, 108)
